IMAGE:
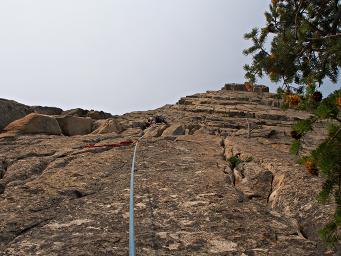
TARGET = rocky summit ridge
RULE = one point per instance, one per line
(59, 197)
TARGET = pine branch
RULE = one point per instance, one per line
(325, 37)
(296, 17)
(336, 21)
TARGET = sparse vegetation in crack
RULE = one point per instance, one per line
(250, 180)
(235, 160)
(232, 163)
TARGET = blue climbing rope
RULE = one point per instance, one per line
(131, 203)
(131, 208)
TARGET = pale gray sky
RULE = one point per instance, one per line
(121, 55)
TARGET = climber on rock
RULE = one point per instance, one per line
(156, 120)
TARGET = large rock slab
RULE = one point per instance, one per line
(246, 87)
(97, 115)
(34, 124)
(71, 201)
(73, 125)
(291, 190)
(75, 112)
(10, 111)
(58, 197)
(47, 110)
(108, 126)
(174, 130)
(154, 130)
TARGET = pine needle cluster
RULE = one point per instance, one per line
(305, 42)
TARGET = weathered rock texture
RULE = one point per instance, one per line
(59, 198)
(87, 113)
(11, 111)
(34, 124)
(74, 125)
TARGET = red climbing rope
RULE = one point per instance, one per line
(115, 145)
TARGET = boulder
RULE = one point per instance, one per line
(47, 110)
(108, 126)
(191, 128)
(98, 115)
(10, 111)
(202, 130)
(234, 87)
(73, 125)
(154, 131)
(35, 124)
(130, 132)
(75, 112)
(260, 88)
(174, 130)
(139, 124)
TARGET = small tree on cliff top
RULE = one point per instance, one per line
(305, 49)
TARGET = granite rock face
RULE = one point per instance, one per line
(59, 197)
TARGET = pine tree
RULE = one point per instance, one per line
(305, 42)
(305, 49)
